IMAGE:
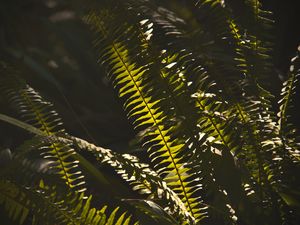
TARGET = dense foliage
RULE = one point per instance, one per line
(213, 144)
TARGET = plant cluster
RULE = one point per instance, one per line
(194, 79)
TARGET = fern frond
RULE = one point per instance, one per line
(28, 173)
(12, 202)
(30, 187)
(259, 117)
(129, 79)
(38, 112)
(49, 206)
(287, 93)
(154, 211)
(139, 175)
(206, 124)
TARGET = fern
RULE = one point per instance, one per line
(28, 193)
(193, 77)
(187, 91)
(40, 114)
(14, 206)
(49, 207)
(49, 204)
(139, 175)
(130, 84)
(145, 111)
(287, 93)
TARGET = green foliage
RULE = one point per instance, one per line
(193, 78)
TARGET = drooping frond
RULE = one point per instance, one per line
(287, 93)
(251, 15)
(154, 211)
(141, 177)
(32, 187)
(256, 24)
(194, 79)
(38, 112)
(129, 78)
(204, 115)
(13, 204)
(21, 171)
(49, 206)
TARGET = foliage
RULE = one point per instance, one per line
(213, 145)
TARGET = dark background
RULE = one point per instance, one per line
(286, 29)
(287, 38)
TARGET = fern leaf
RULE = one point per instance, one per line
(139, 175)
(153, 210)
(144, 110)
(49, 206)
(287, 93)
(41, 115)
(14, 206)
